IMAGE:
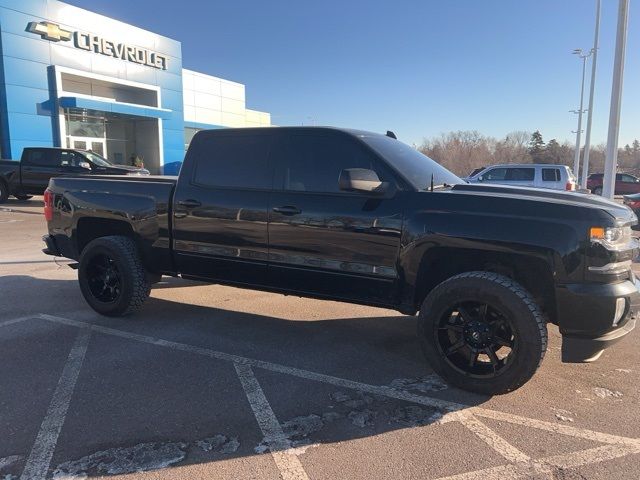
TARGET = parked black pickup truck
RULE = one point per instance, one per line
(30, 176)
(363, 218)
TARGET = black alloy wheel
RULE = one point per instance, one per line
(104, 278)
(482, 332)
(112, 278)
(476, 339)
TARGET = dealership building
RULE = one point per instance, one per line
(72, 78)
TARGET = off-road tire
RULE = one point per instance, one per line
(4, 191)
(135, 287)
(503, 293)
(597, 191)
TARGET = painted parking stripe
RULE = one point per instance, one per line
(279, 445)
(556, 428)
(6, 323)
(495, 441)
(42, 451)
(274, 367)
(447, 406)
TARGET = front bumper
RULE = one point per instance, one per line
(586, 313)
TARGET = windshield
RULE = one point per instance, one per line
(97, 159)
(416, 167)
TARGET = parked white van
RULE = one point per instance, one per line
(540, 175)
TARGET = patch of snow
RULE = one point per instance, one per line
(6, 461)
(363, 418)
(219, 443)
(605, 392)
(301, 427)
(340, 397)
(331, 416)
(117, 461)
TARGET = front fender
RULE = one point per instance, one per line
(434, 234)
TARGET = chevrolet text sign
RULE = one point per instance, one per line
(97, 44)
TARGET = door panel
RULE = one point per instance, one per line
(343, 246)
(323, 240)
(220, 207)
(224, 237)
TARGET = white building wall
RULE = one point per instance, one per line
(216, 101)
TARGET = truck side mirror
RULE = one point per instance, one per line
(361, 180)
(86, 165)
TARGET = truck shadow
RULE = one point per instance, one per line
(140, 403)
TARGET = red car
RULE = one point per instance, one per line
(625, 184)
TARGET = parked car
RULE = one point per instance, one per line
(633, 202)
(363, 218)
(556, 177)
(625, 183)
(30, 176)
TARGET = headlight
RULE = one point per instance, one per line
(612, 238)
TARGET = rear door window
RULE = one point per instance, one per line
(520, 174)
(43, 158)
(232, 161)
(550, 174)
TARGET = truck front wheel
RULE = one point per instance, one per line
(112, 278)
(482, 332)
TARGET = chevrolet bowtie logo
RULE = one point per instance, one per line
(49, 31)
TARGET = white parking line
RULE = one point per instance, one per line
(40, 457)
(6, 323)
(495, 441)
(523, 467)
(279, 445)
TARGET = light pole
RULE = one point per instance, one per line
(580, 111)
(592, 85)
(611, 158)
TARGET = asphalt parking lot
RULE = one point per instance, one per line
(216, 382)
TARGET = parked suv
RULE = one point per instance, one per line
(360, 217)
(556, 177)
(625, 184)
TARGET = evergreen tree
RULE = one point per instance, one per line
(554, 154)
(537, 147)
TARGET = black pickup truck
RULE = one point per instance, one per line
(30, 176)
(361, 217)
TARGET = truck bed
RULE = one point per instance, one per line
(112, 202)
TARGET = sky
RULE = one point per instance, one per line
(419, 68)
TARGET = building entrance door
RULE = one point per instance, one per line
(95, 144)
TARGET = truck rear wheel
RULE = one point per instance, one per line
(112, 278)
(482, 332)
